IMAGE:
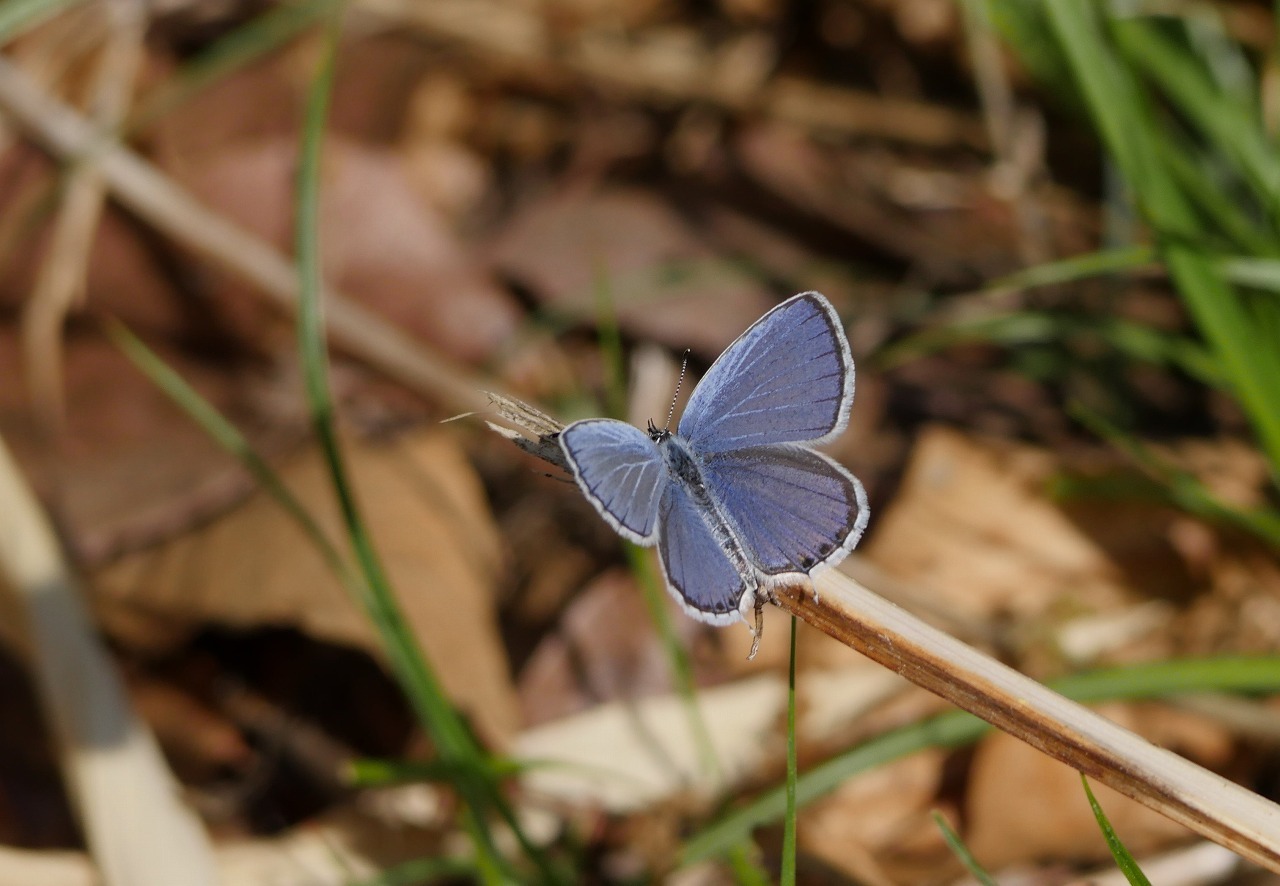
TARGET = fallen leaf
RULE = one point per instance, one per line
(381, 244)
(604, 649)
(664, 282)
(430, 523)
(873, 812)
(973, 523)
(628, 756)
(1023, 806)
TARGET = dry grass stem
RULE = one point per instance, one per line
(1207, 803)
(154, 197)
(61, 280)
(138, 830)
(667, 70)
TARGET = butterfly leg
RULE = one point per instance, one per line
(758, 631)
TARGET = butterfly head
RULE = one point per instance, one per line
(657, 434)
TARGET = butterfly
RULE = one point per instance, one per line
(736, 499)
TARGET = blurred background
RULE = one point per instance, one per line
(1049, 228)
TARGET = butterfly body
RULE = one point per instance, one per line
(685, 471)
(735, 499)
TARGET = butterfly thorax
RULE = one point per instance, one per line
(683, 466)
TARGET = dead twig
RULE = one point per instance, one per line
(155, 198)
(108, 754)
(61, 281)
(676, 68)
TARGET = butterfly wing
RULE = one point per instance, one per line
(699, 572)
(620, 471)
(787, 379)
(792, 508)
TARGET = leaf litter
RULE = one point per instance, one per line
(489, 180)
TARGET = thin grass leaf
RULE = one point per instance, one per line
(225, 434)
(252, 40)
(1232, 126)
(788, 874)
(373, 773)
(1124, 859)
(1258, 273)
(1241, 331)
(1079, 267)
(957, 729)
(426, 695)
(1223, 221)
(1135, 341)
(19, 16)
(423, 871)
(746, 869)
(651, 586)
(1184, 489)
(961, 851)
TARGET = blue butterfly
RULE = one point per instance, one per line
(736, 500)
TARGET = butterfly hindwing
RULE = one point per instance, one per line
(620, 471)
(792, 508)
(787, 379)
(698, 571)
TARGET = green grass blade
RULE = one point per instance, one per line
(961, 851)
(788, 877)
(1124, 859)
(1256, 273)
(1243, 332)
(19, 16)
(956, 729)
(651, 585)
(1230, 125)
(374, 773)
(250, 41)
(233, 442)
(1183, 488)
(1078, 267)
(425, 693)
(1222, 218)
(1135, 341)
(423, 871)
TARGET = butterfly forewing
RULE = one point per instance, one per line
(787, 379)
(698, 570)
(792, 508)
(621, 472)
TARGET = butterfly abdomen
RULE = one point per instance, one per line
(686, 470)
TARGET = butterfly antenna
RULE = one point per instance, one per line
(684, 364)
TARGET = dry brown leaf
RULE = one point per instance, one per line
(381, 244)
(130, 468)
(628, 756)
(872, 812)
(427, 513)
(123, 276)
(664, 281)
(605, 648)
(973, 523)
(1023, 806)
